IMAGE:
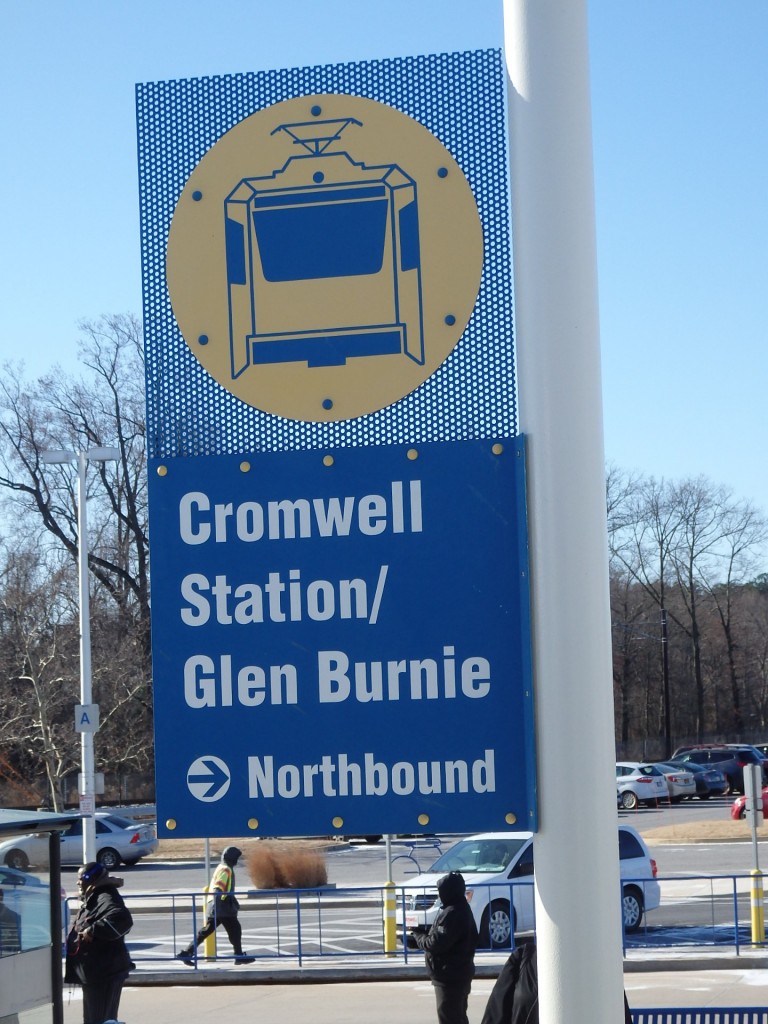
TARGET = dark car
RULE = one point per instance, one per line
(729, 759)
(709, 781)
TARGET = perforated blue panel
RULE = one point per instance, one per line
(460, 97)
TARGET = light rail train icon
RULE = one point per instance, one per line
(323, 257)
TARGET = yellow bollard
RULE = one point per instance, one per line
(209, 944)
(758, 912)
(390, 926)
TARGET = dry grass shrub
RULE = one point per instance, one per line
(275, 865)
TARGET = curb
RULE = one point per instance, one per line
(328, 975)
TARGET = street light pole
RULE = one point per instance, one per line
(87, 794)
(665, 683)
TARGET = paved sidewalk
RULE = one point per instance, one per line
(406, 1002)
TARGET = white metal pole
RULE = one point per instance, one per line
(87, 796)
(578, 921)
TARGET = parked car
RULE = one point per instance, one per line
(117, 839)
(730, 759)
(492, 861)
(751, 754)
(640, 784)
(681, 784)
(739, 806)
(709, 781)
(28, 896)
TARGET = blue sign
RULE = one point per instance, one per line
(340, 641)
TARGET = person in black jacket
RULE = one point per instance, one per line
(97, 957)
(450, 946)
(514, 998)
(10, 929)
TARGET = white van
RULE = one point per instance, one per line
(498, 871)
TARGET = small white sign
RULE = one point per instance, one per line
(98, 783)
(86, 717)
(87, 804)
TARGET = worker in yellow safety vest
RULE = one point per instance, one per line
(222, 909)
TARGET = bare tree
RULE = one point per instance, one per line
(735, 558)
(39, 664)
(104, 406)
(691, 547)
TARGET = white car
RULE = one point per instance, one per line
(117, 839)
(640, 783)
(681, 784)
(498, 871)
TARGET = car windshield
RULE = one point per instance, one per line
(479, 856)
(117, 822)
(689, 766)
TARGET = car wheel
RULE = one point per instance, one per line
(704, 796)
(496, 926)
(373, 839)
(108, 858)
(628, 800)
(632, 908)
(17, 859)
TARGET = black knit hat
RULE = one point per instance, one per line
(231, 855)
(91, 872)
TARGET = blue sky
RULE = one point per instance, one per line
(680, 124)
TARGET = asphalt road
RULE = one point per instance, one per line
(697, 903)
(363, 864)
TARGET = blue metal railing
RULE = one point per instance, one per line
(302, 924)
(702, 1015)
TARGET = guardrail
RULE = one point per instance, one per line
(704, 1015)
(699, 911)
(695, 911)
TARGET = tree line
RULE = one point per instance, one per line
(689, 596)
(689, 600)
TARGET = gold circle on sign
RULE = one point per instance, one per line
(324, 257)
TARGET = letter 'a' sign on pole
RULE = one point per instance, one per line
(86, 717)
(337, 486)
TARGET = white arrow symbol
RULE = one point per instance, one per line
(208, 778)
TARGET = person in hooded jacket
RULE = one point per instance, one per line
(449, 947)
(97, 957)
(514, 998)
(222, 909)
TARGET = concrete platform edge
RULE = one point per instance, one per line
(324, 975)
